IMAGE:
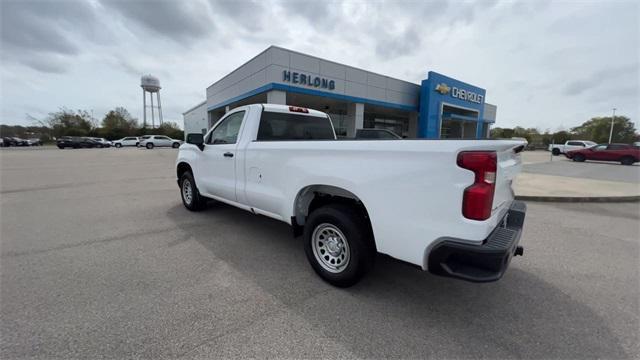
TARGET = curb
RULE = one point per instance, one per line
(580, 199)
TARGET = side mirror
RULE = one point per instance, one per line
(196, 139)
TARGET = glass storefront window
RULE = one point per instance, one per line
(458, 129)
(397, 125)
(339, 123)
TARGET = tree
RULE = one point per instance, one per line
(171, 130)
(67, 122)
(558, 137)
(597, 129)
(118, 123)
(501, 133)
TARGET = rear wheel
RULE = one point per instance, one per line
(149, 145)
(627, 160)
(555, 151)
(191, 198)
(579, 158)
(339, 244)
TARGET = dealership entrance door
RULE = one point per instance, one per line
(458, 123)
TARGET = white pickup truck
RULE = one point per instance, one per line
(557, 149)
(446, 206)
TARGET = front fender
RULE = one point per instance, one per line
(188, 154)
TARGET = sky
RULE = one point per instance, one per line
(545, 64)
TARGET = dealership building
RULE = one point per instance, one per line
(438, 107)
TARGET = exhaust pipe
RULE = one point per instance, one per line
(519, 251)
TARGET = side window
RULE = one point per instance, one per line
(616, 147)
(227, 131)
(600, 147)
(575, 143)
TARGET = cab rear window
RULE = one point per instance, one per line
(276, 126)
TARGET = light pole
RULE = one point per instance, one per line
(613, 117)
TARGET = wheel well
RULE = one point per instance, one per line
(182, 168)
(315, 196)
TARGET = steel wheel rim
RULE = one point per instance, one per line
(330, 248)
(187, 191)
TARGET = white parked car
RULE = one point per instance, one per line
(126, 141)
(446, 206)
(103, 142)
(34, 142)
(151, 141)
(558, 149)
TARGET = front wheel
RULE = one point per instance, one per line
(338, 244)
(175, 145)
(149, 146)
(118, 145)
(191, 198)
(579, 158)
(627, 160)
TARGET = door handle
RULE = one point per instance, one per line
(228, 154)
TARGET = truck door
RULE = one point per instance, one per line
(217, 163)
(599, 153)
(614, 152)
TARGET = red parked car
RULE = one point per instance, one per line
(623, 153)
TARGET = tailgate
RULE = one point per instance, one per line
(509, 165)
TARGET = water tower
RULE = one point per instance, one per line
(150, 84)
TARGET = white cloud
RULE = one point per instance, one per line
(545, 64)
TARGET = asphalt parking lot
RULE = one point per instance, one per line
(100, 259)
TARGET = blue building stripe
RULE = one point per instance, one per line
(294, 89)
(257, 91)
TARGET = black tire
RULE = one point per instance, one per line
(100, 146)
(137, 144)
(357, 235)
(118, 145)
(60, 147)
(579, 158)
(197, 202)
(149, 146)
(555, 151)
(627, 160)
(175, 145)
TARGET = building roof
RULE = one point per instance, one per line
(203, 103)
(312, 56)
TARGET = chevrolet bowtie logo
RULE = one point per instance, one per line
(442, 88)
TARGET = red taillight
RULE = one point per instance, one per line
(298, 109)
(478, 198)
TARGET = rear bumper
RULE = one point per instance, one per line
(487, 262)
